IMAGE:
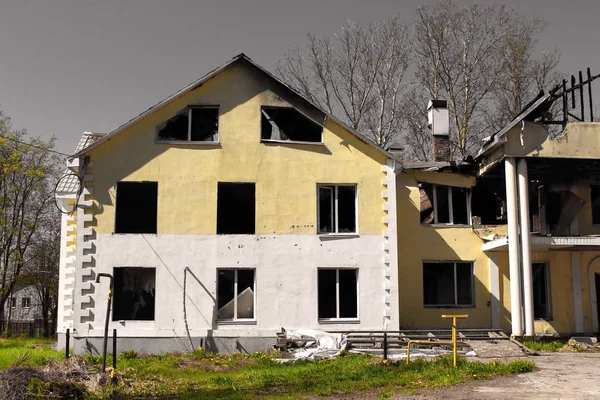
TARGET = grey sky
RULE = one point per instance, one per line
(67, 66)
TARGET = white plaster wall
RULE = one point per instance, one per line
(286, 280)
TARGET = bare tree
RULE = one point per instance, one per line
(27, 173)
(457, 50)
(525, 74)
(359, 74)
(41, 270)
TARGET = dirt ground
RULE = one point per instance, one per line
(559, 376)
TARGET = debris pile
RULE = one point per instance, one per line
(63, 380)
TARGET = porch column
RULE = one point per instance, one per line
(510, 174)
(526, 247)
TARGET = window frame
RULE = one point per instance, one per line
(13, 302)
(450, 206)
(334, 209)
(548, 290)
(472, 285)
(338, 319)
(321, 142)
(188, 111)
(235, 319)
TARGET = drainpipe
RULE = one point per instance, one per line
(526, 247)
(510, 174)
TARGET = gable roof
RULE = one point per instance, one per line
(199, 82)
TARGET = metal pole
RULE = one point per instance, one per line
(454, 350)
(581, 96)
(589, 79)
(67, 340)
(114, 351)
(110, 293)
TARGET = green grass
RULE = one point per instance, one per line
(12, 350)
(542, 345)
(202, 375)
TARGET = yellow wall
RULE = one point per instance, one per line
(418, 243)
(286, 175)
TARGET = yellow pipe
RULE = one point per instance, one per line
(453, 342)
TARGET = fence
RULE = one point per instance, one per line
(30, 329)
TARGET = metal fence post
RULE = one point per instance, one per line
(385, 346)
(114, 352)
(67, 337)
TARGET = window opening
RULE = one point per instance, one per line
(235, 294)
(287, 124)
(336, 208)
(195, 124)
(595, 193)
(444, 204)
(136, 207)
(541, 291)
(338, 293)
(134, 294)
(13, 302)
(448, 284)
(236, 207)
(26, 302)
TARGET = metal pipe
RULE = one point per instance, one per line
(526, 247)
(108, 303)
(510, 172)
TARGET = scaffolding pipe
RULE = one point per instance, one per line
(526, 247)
(110, 294)
(510, 172)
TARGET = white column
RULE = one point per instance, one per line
(495, 290)
(577, 290)
(526, 247)
(510, 173)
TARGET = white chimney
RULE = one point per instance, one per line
(439, 123)
(438, 118)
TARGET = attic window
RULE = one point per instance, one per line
(194, 124)
(286, 124)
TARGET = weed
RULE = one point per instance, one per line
(544, 345)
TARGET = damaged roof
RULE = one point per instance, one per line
(69, 183)
(440, 166)
(532, 111)
(199, 82)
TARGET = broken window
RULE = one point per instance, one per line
(444, 204)
(338, 293)
(194, 124)
(595, 193)
(336, 208)
(541, 291)
(136, 207)
(26, 302)
(236, 208)
(447, 284)
(287, 124)
(134, 294)
(235, 294)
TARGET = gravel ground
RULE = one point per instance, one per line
(559, 376)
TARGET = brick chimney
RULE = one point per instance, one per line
(439, 123)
